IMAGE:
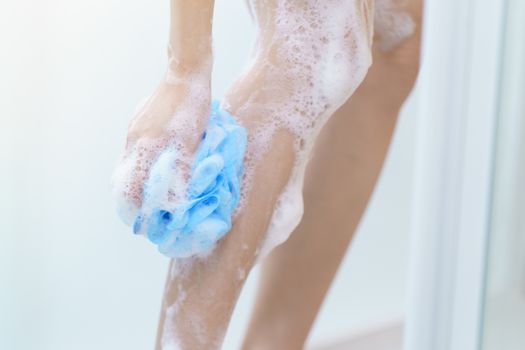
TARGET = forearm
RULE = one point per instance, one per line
(190, 37)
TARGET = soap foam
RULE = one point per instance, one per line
(327, 48)
(170, 339)
(321, 54)
(167, 149)
(391, 23)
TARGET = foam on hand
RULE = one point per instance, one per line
(186, 218)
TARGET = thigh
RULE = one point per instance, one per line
(339, 181)
(353, 143)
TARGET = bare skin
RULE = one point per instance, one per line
(339, 181)
(201, 293)
(181, 102)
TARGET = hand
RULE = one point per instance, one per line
(175, 116)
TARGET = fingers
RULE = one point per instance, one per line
(173, 118)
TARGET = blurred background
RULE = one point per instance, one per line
(73, 277)
(504, 311)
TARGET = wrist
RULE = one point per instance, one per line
(190, 58)
(183, 68)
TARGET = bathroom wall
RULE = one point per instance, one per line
(504, 304)
(71, 275)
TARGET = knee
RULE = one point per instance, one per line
(330, 60)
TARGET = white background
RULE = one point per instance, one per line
(504, 319)
(71, 275)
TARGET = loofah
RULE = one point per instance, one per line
(205, 215)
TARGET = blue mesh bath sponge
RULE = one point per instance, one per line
(213, 192)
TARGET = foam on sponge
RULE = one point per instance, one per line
(203, 215)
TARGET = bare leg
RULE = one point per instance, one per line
(339, 182)
(201, 292)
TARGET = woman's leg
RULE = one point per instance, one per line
(278, 97)
(339, 182)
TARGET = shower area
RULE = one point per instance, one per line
(438, 262)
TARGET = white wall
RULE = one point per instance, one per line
(71, 275)
(504, 304)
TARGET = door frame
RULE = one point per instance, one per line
(458, 89)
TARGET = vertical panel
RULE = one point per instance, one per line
(459, 74)
(504, 302)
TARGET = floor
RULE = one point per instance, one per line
(386, 338)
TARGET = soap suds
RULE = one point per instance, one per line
(391, 23)
(170, 340)
(320, 52)
(326, 46)
(166, 149)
